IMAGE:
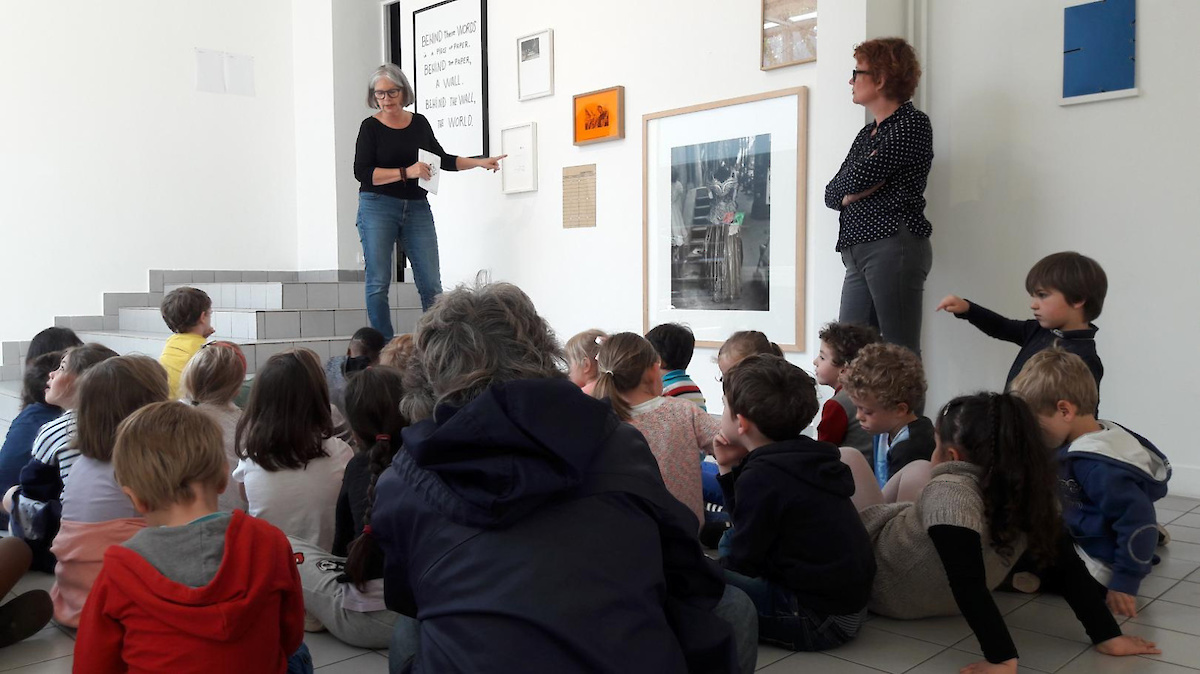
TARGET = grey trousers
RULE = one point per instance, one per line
(885, 286)
(323, 599)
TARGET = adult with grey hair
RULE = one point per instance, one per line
(391, 204)
(527, 528)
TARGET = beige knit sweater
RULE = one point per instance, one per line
(910, 581)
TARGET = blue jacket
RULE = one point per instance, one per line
(1108, 482)
(530, 530)
(19, 442)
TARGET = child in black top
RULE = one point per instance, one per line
(798, 547)
(1066, 292)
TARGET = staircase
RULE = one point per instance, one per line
(263, 312)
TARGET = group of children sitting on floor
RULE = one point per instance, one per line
(215, 532)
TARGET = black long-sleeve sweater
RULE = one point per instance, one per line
(1032, 337)
(381, 146)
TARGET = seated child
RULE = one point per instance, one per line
(95, 512)
(210, 382)
(344, 590)
(581, 353)
(51, 339)
(1108, 477)
(1067, 293)
(887, 384)
(35, 503)
(840, 343)
(197, 590)
(675, 344)
(798, 546)
(677, 431)
(397, 351)
(188, 313)
(291, 466)
(35, 413)
(743, 344)
(987, 497)
(362, 352)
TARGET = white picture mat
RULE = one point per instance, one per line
(535, 77)
(518, 171)
(460, 127)
(778, 117)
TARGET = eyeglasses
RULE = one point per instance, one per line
(853, 76)
(390, 93)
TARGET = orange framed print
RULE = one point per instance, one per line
(599, 115)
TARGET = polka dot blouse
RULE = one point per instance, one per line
(899, 155)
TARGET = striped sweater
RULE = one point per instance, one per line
(677, 384)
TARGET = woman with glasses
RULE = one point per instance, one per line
(880, 191)
(391, 204)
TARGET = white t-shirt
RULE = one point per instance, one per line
(301, 502)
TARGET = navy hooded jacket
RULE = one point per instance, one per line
(530, 530)
(1108, 483)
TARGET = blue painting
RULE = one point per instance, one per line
(1099, 47)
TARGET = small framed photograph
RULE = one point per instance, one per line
(535, 65)
(789, 33)
(518, 172)
(599, 115)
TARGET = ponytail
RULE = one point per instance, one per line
(373, 411)
(998, 432)
(622, 360)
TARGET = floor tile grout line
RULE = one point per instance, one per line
(944, 649)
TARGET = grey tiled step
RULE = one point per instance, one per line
(159, 277)
(268, 295)
(10, 402)
(271, 324)
(257, 350)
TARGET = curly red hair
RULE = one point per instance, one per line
(895, 61)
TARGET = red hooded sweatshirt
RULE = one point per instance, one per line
(249, 618)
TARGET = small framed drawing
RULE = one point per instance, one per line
(535, 65)
(789, 33)
(599, 115)
(518, 172)
(723, 208)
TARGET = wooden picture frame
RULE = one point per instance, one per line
(519, 172)
(718, 174)
(789, 33)
(598, 116)
(535, 65)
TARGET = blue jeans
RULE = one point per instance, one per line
(382, 220)
(301, 661)
(783, 622)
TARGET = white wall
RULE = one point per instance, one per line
(315, 149)
(111, 162)
(668, 58)
(1017, 177)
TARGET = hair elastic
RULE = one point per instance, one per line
(383, 437)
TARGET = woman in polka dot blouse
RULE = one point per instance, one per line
(880, 188)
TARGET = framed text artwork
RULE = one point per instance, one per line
(449, 74)
(599, 116)
(519, 173)
(723, 207)
(535, 65)
(789, 33)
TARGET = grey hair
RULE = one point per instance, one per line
(473, 337)
(389, 71)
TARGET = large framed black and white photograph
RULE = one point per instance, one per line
(723, 217)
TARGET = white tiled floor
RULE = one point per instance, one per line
(1047, 635)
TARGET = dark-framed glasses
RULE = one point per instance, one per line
(390, 93)
(853, 76)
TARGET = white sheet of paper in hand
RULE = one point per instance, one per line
(435, 170)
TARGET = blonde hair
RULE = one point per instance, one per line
(584, 346)
(163, 449)
(398, 352)
(214, 375)
(623, 360)
(1057, 374)
(110, 391)
(889, 373)
(746, 343)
